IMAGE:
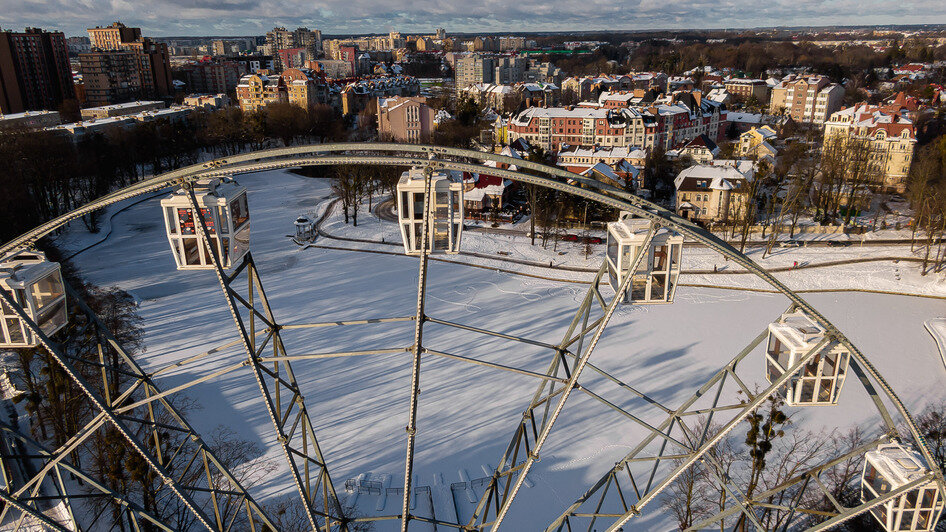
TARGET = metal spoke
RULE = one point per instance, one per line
(273, 407)
(417, 350)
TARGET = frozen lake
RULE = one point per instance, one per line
(467, 413)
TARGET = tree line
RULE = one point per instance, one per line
(47, 175)
(752, 56)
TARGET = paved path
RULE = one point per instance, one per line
(385, 211)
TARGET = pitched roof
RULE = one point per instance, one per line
(719, 175)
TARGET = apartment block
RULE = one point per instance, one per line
(113, 37)
(279, 39)
(810, 99)
(305, 88)
(745, 89)
(111, 77)
(509, 69)
(120, 109)
(30, 119)
(256, 91)
(890, 136)
(116, 46)
(34, 71)
(474, 68)
(665, 125)
(213, 77)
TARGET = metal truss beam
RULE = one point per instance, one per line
(506, 469)
(602, 486)
(135, 430)
(417, 349)
(802, 478)
(286, 416)
(22, 447)
(649, 493)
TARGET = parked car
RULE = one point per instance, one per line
(570, 238)
(838, 244)
(594, 240)
(789, 244)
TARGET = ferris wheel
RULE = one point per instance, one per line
(207, 218)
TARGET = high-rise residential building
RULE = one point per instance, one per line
(474, 68)
(807, 99)
(510, 70)
(292, 58)
(279, 38)
(34, 71)
(78, 45)
(213, 77)
(311, 40)
(283, 39)
(349, 54)
(111, 76)
(113, 37)
(230, 47)
(151, 60)
(219, 47)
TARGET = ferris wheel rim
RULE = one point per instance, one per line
(278, 158)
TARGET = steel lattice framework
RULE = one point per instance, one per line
(211, 497)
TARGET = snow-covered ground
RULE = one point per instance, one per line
(890, 274)
(467, 413)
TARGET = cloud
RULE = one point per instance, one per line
(248, 17)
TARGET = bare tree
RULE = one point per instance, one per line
(746, 211)
(351, 184)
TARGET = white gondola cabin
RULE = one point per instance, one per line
(446, 212)
(819, 382)
(226, 214)
(305, 229)
(889, 467)
(655, 279)
(36, 285)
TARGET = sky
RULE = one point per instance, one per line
(162, 18)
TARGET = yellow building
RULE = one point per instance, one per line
(714, 193)
(255, 92)
(891, 137)
(303, 89)
(757, 143)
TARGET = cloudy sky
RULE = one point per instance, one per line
(251, 17)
